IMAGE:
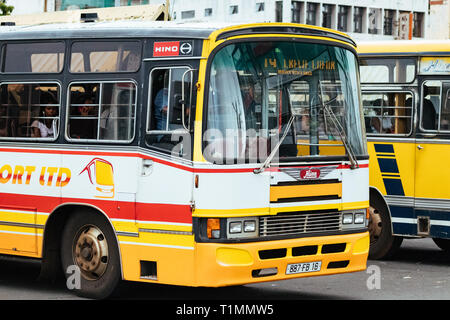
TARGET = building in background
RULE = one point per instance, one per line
(148, 12)
(39, 6)
(439, 26)
(362, 20)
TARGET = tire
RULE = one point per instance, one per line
(383, 245)
(444, 244)
(88, 242)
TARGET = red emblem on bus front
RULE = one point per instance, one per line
(309, 174)
(166, 49)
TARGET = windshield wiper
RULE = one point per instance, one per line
(275, 149)
(334, 120)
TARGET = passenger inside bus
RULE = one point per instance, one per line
(161, 104)
(84, 126)
(46, 127)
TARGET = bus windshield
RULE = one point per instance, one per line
(302, 96)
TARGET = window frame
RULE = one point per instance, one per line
(38, 139)
(150, 103)
(372, 58)
(393, 91)
(68, 105)
(438, 130)
(70, 52)
(28, 42)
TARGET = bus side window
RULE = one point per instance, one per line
(102, 111)
(165, 116)
(431, 93)
(83, 111)
(29, 111)
(388, 113)
(445, 112)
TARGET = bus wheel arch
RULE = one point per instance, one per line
(383, 244)
(57, 257)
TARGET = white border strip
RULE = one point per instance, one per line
(156, 245)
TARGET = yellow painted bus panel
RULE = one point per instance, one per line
(403, 157)
(432, 174)
(279, 192)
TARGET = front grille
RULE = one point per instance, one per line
(294, 223)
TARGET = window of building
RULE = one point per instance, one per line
(388, 113)
(374, 15)
(259, 6)
(343, 12)
(101, 111)
(358, 17)
(311, 13)
(133, 2)
(29, 111)
(208, 12)
(105, 56)
(167, 117)
(190, 14)
(234, 9)
(327, 15)
(279, 11)
(388, 25)
(86, 4)
(296, 8)
(37, 57)
(418, 24)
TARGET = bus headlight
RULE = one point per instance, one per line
(354, 219)
(240, 228)
(235, 227)
(249, 225)
(359, 217)
(347, 218)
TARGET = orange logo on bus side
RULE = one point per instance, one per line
(50, 176)
(101, 175)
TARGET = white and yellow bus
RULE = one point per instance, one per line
(173, 153)
(405, 92)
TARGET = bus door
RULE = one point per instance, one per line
(432, 189)
(166, 181)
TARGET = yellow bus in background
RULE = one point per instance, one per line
(406, 100)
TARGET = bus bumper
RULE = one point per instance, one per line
(233, 264)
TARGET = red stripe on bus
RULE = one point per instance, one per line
(113, 209)
(164, 162)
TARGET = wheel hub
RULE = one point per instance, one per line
(91, 252)
(375, 224)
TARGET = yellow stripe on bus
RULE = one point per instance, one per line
(314, 190)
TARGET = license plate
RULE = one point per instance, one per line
(303, 267)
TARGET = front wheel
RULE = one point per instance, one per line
(89, 255)
(383, 244)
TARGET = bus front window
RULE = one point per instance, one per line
(256, 88)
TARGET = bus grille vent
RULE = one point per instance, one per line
(294, 223)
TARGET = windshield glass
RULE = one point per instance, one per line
(255, 88)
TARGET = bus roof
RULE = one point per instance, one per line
(404, 47)
(160, 29)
